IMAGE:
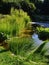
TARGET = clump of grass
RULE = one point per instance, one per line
(14, 23)
(20, 45)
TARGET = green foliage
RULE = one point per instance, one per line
(28, 5)
(16, 1)
(11, 1)
(22, 50)
(20, 45)
(26, 55)
(33, 7)
(22, 55)
(45, 49)
(16, 22)
(42, 29)
(3, 37)
(6, 58)
(43, 33)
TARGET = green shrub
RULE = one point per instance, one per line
(43, 33)
(33, 7)
(16, 22)
(42, 29)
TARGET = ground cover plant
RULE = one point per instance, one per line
(43, 33)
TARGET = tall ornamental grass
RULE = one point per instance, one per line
(14, 23)
(20, 46)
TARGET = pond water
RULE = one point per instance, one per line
(37, 41)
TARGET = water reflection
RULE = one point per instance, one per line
(37, 41)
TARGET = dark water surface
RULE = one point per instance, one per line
(38, 42)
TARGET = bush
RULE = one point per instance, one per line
(14, 23)
(43, 33)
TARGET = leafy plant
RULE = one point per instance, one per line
(43, 33)
(20, 45)
(16, 22)
(26, 53)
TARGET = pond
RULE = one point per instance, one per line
(35, 37)
(38, 42)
